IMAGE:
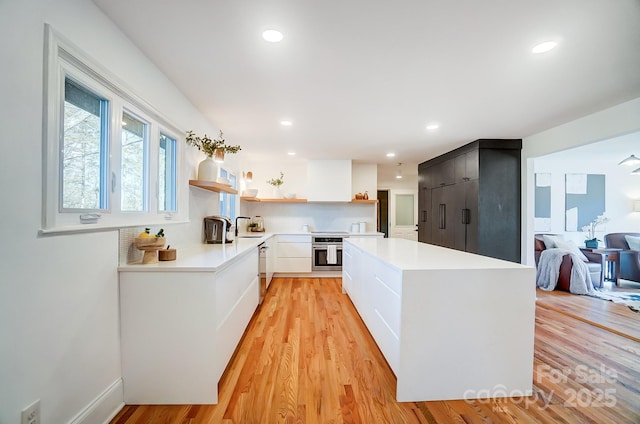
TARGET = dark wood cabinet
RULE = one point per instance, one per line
(469, 199)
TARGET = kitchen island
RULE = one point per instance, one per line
(451, 325)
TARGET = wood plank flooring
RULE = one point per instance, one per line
(307, 358)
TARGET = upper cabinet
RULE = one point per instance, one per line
(329, 181)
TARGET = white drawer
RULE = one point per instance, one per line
(387, 303)
(294, 250)
(293, 265)
(388, 342)
(294, 238)
(389, 276)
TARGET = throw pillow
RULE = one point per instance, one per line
(633, 242)
(572, 247)
(550, 241)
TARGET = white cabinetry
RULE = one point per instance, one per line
(180, 328)
(434, 315)
(329, 181)
(293, 253)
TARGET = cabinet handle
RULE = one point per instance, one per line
(466, 216)
(424, 216)
(442, 209)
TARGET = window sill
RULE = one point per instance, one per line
(98, 227)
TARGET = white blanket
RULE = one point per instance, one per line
(549, 269)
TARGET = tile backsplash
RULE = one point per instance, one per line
(127, 252)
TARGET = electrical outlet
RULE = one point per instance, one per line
(31, 414)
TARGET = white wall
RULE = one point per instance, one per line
(283, 217)
(59, 325)
(621, 187)
(609, 123)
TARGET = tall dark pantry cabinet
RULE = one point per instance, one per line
(469, 199)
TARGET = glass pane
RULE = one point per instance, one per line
(224, 197)
(84, 149)
(232, 197)
(134, 145)
(404, 209)
(167, 174)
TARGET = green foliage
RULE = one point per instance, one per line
(209, 146)
(276, 182)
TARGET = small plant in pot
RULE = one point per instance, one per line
(276, 183)
(591, 239)
(215, 150)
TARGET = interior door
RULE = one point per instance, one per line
(404, 214)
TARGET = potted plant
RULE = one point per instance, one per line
(591, 240)
(276, 183)
(214, 149)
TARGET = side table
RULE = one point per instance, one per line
(612, 259)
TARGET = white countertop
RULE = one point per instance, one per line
(201, 257)
(412, 255)
(212, 257)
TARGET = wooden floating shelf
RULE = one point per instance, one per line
(212, 186)
(364, 201)
(282, 200)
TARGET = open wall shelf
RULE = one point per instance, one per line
(212, 186)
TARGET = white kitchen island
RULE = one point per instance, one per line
(451, 324)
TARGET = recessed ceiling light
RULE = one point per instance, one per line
(544, 47)
(272, 36)
(433, 126)
(286, 123)
(291, 153)
(391, 155)
(398, 177)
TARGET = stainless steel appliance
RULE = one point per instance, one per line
(326, 249)
(216, 230)
(262, 267)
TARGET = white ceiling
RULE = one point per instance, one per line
(361, 78)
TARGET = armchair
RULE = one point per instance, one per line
(595, 264)
(629, 259)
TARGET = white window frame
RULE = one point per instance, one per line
(63, 59)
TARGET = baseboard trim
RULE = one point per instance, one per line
(103, 408)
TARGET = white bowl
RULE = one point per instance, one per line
(290, 196)
(250, 192)
(222, 180)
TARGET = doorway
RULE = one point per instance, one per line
(383, 212)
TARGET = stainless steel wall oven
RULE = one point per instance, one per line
(327, 252)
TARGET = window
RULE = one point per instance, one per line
(228, 201)
(167, 174)
(133, 161)
(84, 150)
(404, 209)
(111, 159)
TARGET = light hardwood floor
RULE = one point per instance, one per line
(307, 358)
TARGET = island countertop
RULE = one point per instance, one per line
(410, 255)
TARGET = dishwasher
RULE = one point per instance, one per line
(262, 270)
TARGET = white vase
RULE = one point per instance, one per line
(207, 170)
(277, 194)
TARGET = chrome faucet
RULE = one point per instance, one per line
(240, 217)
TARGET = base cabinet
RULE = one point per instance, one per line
(179, 330)
(293, 253)
(475, 205)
